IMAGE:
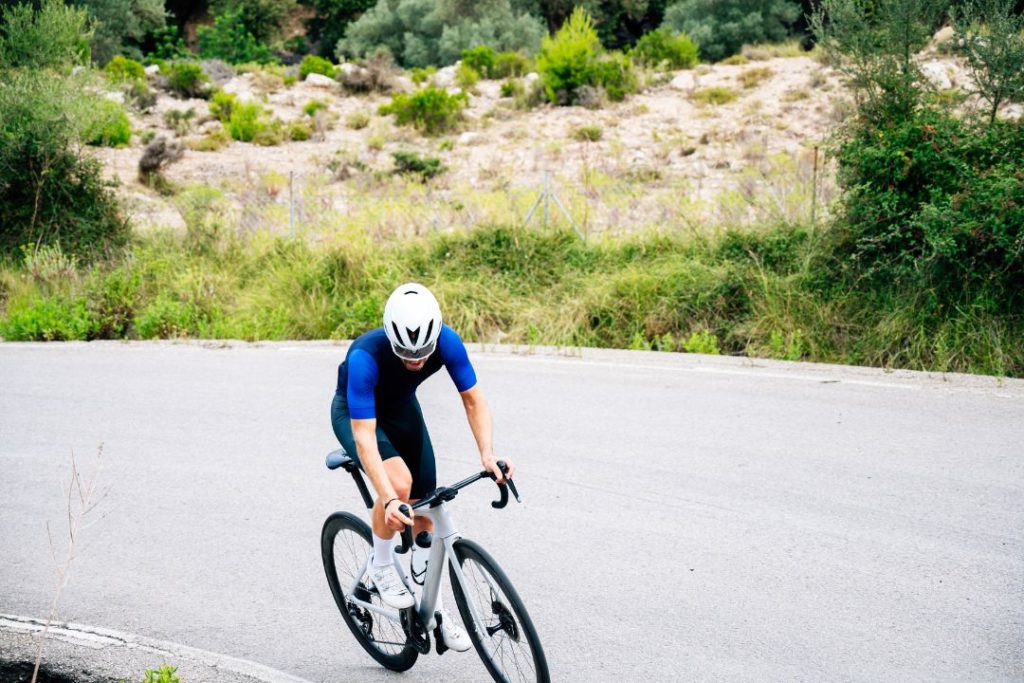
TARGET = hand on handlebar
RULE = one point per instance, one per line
(393, 516)
(491, 465)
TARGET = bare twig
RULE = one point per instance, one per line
(76, 515)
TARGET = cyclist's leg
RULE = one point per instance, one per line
(397, 470)
(407, 430)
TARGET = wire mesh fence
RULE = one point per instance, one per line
(596, 199)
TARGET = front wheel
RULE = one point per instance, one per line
(345, 546)
(504, 637)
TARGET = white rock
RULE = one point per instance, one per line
(152, 70)
(684, 80)
(470, 138)
(1013, 111)
(402, 84)
(445, 78)
(943, 35)
(348, 68)
(115, 96)
(240, 87)
(319, 81)
(937, 74)
(531, 77)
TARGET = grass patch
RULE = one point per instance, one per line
(756, 292)
(751, 78)
(589, 133)
(714, 96)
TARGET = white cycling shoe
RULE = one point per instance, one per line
(455, 637)
(393, 592)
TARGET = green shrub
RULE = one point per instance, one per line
(168, 45)
(187, 79)
(875, 48)
(991, 37)
(662, 47)
(701, 341)
(121, 69)
(481, 59)
(508, 64)
(53, 37)
(311, 64)
(298, 45)
(122, 26)
(211, 142)
(250, 123)
(229, 39)
(512, 88)
(421, 75)
(167, 317)
(421, 33)
(165, 674)
(614, 72)
(410, 163)
(179, 120)
(357, 120)
(107, 125)
(714, 95)
(222, 104)
(49, 194)
(751, 78)
(935, 203)
(429, 109)
(466, 77)
(722, 27)
(574, 59)
(588, 133)
(299, 131)
(48, 318)
(264, 20)
(313, 106)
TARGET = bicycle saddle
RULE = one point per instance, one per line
(339, 458)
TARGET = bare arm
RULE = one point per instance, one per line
(479, 416)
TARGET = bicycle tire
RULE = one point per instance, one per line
(346, 537)
(508, 626)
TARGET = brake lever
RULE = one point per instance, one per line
(504, 487)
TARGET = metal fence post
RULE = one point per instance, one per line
(814, 188)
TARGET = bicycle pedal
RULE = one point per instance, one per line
(439, 643)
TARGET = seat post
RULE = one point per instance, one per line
(361, 484)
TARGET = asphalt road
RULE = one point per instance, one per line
(686, 517)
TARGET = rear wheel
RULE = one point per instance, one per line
(345, 546)
(505, 637)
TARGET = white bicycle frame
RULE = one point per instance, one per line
(441, 554)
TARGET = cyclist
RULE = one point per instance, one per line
(378, 420)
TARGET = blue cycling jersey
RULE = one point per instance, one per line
(373, 377)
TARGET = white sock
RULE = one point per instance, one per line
(382, 550)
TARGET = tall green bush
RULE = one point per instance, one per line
(722, 27)
(991, 37)
(875, 46)
(231, 40)
(122, 26)
(53, 37)
(263, 19)
(421, 33)
(574, 58)
(311, 64)
(48, 193)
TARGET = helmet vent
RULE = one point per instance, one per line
(414, 335)
(430, 328)
(398, 335)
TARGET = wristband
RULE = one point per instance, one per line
(390, 502)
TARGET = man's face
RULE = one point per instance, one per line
(414, 365)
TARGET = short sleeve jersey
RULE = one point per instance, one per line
(372, 377)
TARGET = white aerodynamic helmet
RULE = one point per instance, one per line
(412, 321)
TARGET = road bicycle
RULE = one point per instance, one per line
(490, 608)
